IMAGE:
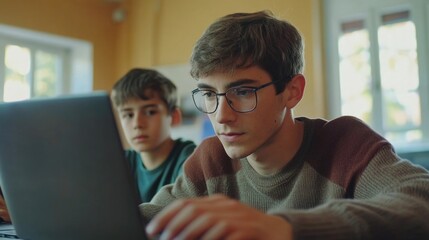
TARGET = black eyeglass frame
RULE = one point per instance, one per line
(253, 89)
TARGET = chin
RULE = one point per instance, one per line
(236, 152)
(141, 148)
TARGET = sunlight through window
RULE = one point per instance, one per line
(18, 63)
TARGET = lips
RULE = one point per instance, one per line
(230, 136)
(141, 138)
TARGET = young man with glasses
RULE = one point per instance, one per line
(270, 175)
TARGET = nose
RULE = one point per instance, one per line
(224, 112)
(139, 121)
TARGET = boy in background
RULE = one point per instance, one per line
(146, 102)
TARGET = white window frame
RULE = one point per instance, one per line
(370, 11)
(77, 59)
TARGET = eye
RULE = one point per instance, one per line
(150, 112)
(243, 92)
(208, 94)
(127, 115)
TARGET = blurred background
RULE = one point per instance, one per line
(367, 58)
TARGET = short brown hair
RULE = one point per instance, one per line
(145, 84)
(241, 40)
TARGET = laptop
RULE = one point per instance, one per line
(63, 172)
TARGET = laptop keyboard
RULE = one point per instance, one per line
(7, 231)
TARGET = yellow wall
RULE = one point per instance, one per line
(88, 20)
(162, 32)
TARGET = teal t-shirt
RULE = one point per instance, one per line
(150, 181)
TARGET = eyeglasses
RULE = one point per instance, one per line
(240, 99)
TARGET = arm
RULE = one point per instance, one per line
(166, 195)
(391, 201)
(186, 150)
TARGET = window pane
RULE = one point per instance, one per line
(17, 73)
(400, 81)
(47, 72)
(355, 74)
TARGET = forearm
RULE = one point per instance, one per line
(378, 218)
(391, 201)
(182, 188)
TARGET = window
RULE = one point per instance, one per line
(376, 57)
(34, 64)
(399, 78)
(355, 71)
(32, 72)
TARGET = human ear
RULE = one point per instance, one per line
(176, 117)
(295, 90)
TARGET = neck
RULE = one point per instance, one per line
(155, 157)
(279, 150)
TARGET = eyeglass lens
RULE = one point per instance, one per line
(239, 99)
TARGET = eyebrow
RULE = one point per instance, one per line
(230, 85)
(143, 107)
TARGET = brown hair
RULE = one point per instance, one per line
(242, 40)
(145, 84)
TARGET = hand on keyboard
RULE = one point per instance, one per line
(4, 213)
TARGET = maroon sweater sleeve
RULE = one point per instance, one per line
(342, 148)
(208, 161)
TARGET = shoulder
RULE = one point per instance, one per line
(185, 145)
(209, 149)
(181, 151)
(208, 160)
(211, 146)
(343, 129)
(183, 148)
(130, 154)
(133, 157)
(341, 149)
(347, 123)
(348, 134)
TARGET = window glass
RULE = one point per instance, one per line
(47, 74)
(31, 73)
(17, 71)
(399, 81)
(393, 88)
(355, 72)
(35, 64)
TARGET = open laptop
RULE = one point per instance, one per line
(63, 172)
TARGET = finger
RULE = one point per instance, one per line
(200, 225)
(158, 223)
(194, 217)
(218, 216)
(218, 231)
(238, 235)
(180, 213)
